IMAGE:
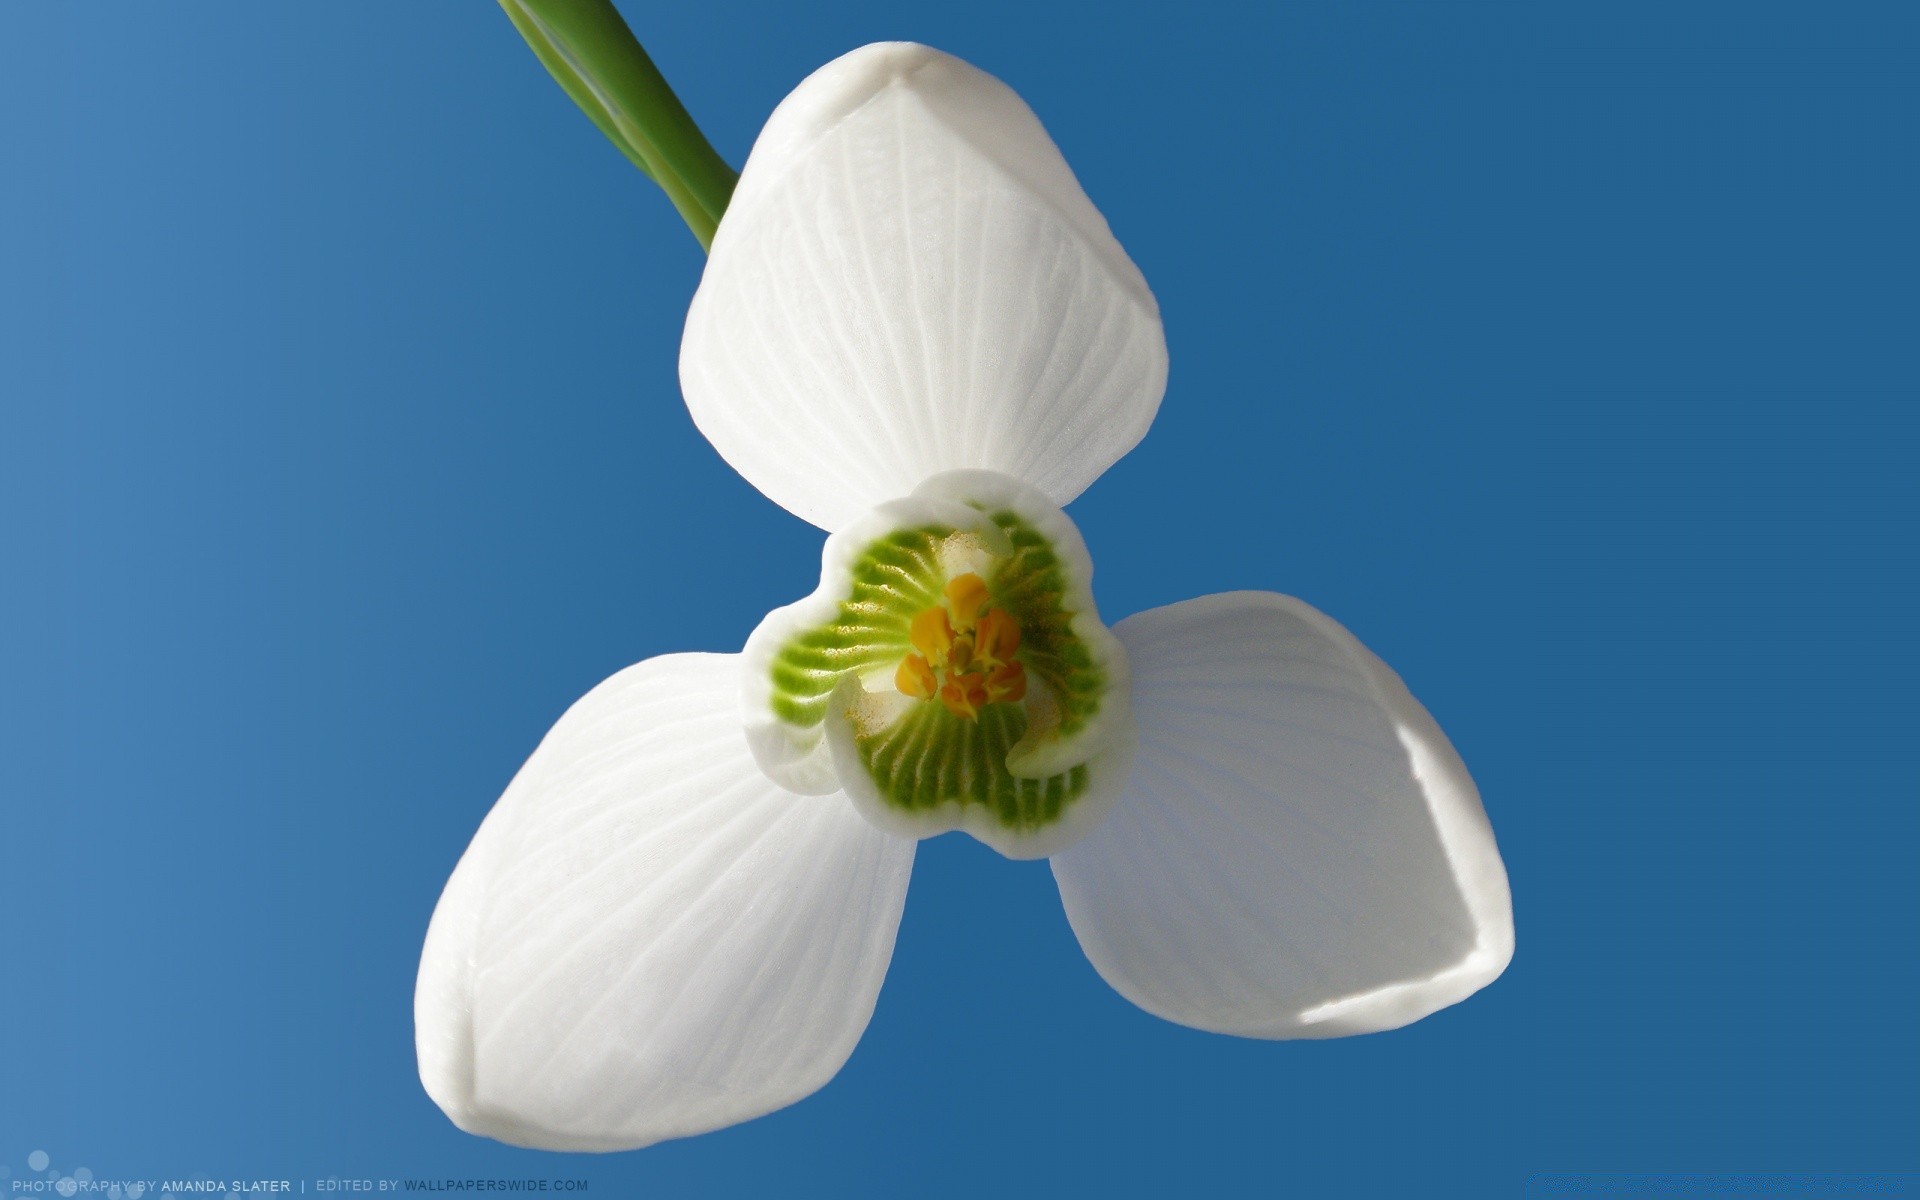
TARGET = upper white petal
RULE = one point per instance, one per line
(647, 939)
(910, 280)
(1299, 852)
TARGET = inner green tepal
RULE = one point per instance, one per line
(925, 747)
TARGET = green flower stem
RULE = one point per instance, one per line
(588, 48)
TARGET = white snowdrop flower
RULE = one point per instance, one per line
(917, 332)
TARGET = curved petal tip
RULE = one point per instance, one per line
(1299, 851)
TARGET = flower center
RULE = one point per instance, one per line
(964, 652)
(950, 672)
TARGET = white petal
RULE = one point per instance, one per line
(909, 280)
(647, 939)
(1299, 852)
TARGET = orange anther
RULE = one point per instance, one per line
(916, 678)
(995, 639)
(932, 635)
(1008, 683)
(966, 596)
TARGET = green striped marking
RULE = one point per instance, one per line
(930, 757)
(1032, 586)
(893, 578)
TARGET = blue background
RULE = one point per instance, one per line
(1568, 358)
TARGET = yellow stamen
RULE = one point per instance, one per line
(995, 639)
(932, 635)
(1008, 684)
(916, 678)
(965, 652)
(966, 596)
